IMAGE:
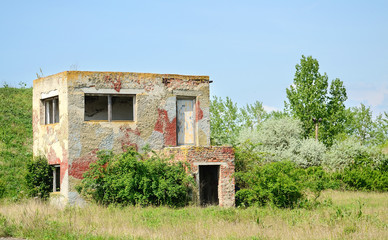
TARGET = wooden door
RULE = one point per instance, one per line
(185, 121)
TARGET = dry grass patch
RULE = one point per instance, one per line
(346, 215)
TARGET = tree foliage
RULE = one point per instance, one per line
(224, 121)
(361, 124)
(282, 139)
(227, 119)
(308, 98)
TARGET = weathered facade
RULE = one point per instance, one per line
(77, 113)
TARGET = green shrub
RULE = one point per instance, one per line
(310, 153)
(39, 178)
(2, 189)
(344, 153)
(278, 183)
(364, 174)
(279, 138)
(127, 179)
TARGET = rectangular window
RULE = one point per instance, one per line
(51, 110)
(56, 178)
(109, 107)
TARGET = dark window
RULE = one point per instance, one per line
(96, 108)
(56, 178)
(51, 110)
(109, 107)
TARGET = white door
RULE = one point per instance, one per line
(185, 121)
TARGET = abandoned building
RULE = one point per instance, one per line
(78, 113)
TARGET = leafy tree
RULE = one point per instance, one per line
(224, 121)
(361, 125)
(253, 114)
(336, 116)
(227, 119)
(308, 97)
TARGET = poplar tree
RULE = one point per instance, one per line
(310, 97)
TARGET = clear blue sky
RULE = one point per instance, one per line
(248, 48)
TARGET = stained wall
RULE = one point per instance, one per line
(73, 142)
(51, 140)
(155, 115)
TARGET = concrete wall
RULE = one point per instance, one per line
(73, 142)
(51, 140)
(155, 115)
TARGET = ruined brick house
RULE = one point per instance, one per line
(78, 113)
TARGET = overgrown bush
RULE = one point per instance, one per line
(364, 174)
(2, 189)
(277, 183)
(309, 153)
(133, 179)
(39, 178)
(344, 153)
(281, 139)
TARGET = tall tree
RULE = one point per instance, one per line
(308, 98)
(334, 122)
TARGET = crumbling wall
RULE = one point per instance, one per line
(74, 143)
(155, 115)
(211, 155)
(51, 140)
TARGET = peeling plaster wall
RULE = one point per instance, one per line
(155, 114)
(74, 143)
(51, 140)
(222, 156)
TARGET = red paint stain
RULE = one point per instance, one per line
(199, 112)
(126, 141)
(81, 164)
(115, 83)
(53, 159)
(163, 125)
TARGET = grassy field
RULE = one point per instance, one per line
(342, 215)
(15, 139)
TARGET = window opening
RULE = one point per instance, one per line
(96, 108)
(109, 107)
(56, 178)
(51, 107)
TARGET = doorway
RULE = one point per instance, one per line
(208, 184)
(185, 121)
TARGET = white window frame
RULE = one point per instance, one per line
(51, 110)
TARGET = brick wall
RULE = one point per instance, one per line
(222, 156)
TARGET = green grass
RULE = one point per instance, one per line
(341, 215)
(15, 138)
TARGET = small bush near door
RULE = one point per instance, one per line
(133, 179)
(39, 178)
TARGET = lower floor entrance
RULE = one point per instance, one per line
(208, 184)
